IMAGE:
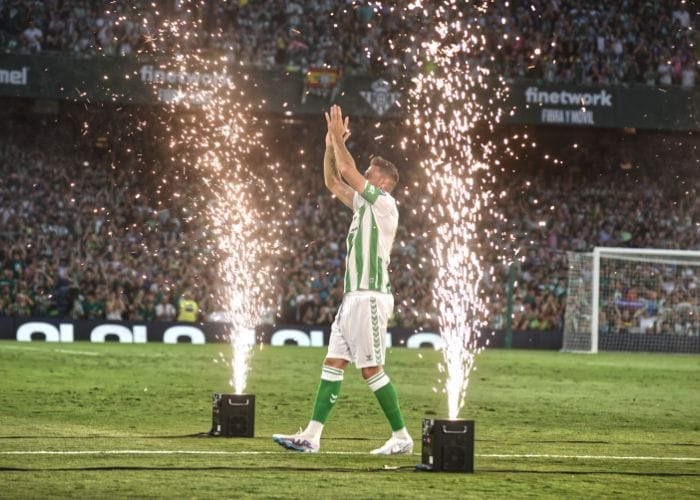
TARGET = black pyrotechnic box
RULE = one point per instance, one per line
(233, 415)
(448, 445)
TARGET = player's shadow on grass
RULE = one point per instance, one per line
(340, 470)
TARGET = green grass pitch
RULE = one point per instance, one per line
(90, 420)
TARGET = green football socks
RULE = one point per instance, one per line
(327, 394)
(389, 401)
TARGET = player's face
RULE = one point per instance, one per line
(374, 176)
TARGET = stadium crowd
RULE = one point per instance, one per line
(76, 241)
(571, 41)
(83, 235)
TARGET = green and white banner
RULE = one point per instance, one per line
(637, 106)
(150, 81)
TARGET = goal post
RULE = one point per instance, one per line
(629, 299)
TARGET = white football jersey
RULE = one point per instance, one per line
(370, 238)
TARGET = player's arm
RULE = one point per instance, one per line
(346, 165)
(334, 182)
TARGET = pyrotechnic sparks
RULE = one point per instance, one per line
(217, 143)
(449, 100)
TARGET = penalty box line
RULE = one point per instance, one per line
(233, 453)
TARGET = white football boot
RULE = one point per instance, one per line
(395, 446)
(297, 442)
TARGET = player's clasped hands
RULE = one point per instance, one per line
(336, 125)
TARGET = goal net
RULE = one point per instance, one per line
(626, 299)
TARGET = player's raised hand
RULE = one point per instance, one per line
(346, 135)
(336, 127)
(333, 128)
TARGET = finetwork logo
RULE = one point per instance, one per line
(533, 95)
(149, 74)
(380, 97)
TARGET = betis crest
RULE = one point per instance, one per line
(381, 98)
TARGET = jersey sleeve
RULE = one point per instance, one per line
(381, 201)
(371, 192)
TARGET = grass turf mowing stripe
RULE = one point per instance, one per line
(60, 351)
(215, 452)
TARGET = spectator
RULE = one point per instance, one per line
(187, 308)
(115, 307)
(32, 38)
(688, 75)
(147, 309)
(165, 311)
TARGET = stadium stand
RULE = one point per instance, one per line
(572, 41)
(82, 237)
(101, 241)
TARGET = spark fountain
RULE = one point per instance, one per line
(217, 135)
(447, 105)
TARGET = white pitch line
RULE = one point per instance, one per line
(592, 457)
(80, 353)
(163, 452)
(229, 453)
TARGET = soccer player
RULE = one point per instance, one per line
(358, 334)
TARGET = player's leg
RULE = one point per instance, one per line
(327, 394)
(309, 440)
(370, 329)
(385, 392)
